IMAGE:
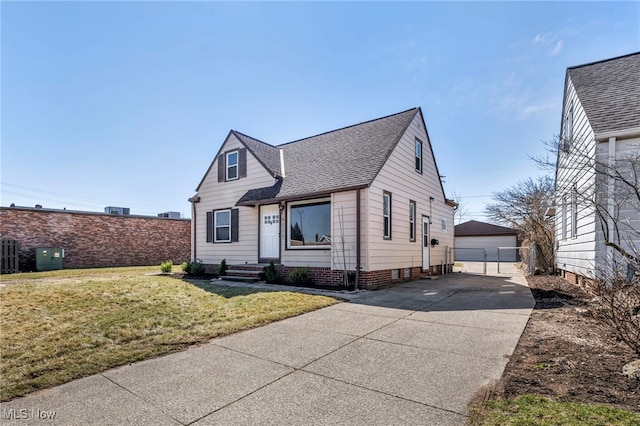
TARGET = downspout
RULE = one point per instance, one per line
(611, 206)
(358, 226)
(194, 223)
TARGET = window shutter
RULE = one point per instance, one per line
(221, 168)
(209, 227)
(242, 163)
(234, 225)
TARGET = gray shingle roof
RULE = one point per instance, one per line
(345, 158)
(609, 91)
(476, 228)
(267, 154)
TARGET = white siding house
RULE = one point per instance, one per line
(600, 133)
(363, 203)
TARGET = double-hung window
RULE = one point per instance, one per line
(565, 214)
(412, 220)
(574, 213)
(232, 165)
(386, 214)
(418, 156)
(222, 226)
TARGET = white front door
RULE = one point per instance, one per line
(426, 241)
(270, 232)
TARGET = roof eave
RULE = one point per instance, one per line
(618, 134)
(298, 197)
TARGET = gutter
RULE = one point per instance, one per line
(300, 197)
(618, 134)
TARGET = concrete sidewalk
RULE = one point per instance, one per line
(412, 354)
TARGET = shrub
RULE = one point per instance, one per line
(166, 267)
(300, 275)
(195, 267)
(270, 272)
(617, 305)
(222, 269)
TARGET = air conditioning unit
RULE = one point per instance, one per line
(122, 211)
(170, 215)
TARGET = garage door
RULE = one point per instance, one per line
(465, 245)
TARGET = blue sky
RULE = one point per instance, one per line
(126, 103)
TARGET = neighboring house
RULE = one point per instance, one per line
(473, 239)
(596, 174)
(363, 203)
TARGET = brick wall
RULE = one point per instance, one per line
(369, 280)
(96, 239)
(576, 279)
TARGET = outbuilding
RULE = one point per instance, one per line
(473, 239)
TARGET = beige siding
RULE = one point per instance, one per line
(345, 225)
(398, 176)
(216, 195)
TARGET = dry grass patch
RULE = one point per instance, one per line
(61, 328)
(537, 410)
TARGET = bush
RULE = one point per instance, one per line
(166, 267)
(300, 275)
(270, 272)
(195, 267)
(222, 269)
(617, 305)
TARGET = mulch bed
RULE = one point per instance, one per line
(566, 353)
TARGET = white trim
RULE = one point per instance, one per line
(324, 200)
(418, 142)
(282, 171)
(215, 226)
(237, 165)
(619, 134)
(386, 216)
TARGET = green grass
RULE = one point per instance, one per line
(61, 325)
(66, 273)
(539, 411)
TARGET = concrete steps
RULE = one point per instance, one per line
(245, 274)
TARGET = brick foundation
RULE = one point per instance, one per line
(96, 239)
(576, 279)
(370, 280)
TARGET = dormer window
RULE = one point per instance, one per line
(232, 165)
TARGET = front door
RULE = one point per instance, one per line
(270, 232)
(425, 243)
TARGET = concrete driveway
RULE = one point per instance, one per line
(412, 354)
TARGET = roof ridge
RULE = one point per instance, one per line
(348, 127)
(603, 60)
(251, 137)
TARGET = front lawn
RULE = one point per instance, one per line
(62, 325)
